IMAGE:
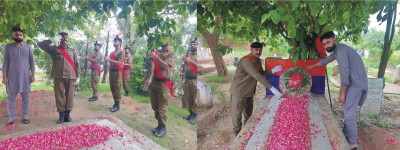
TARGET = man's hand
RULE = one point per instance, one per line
(56, 39)
(152, 55)
(86, 57)
(275, 92)
(184, 58)
(342, 97)
(5, 81)
(314, 65)
(188, 60)
(148, 82)
(106, 59)
(309, 67)
(32, 79)
(77, 81)
(277, 68)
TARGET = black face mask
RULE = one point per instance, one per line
(331, 49)
(18, 40)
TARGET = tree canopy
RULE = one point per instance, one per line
(295, 21)
(155, 19)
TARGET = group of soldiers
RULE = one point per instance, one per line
(19, 72)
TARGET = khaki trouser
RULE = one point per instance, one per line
(239, 106)
(190, 94)
(94, 81)
(159, 95)
(126, 81)
(64, 93)
(115, 85)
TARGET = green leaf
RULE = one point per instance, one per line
(153, 23)
(288, 17)
(275, 17)
(265, 17)
(292, 33)
(282, 11)
(379, 16)
(322, 20)
(346, 14)
(295, 4)
(185, 15)
(162, 24)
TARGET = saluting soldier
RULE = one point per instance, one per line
(95, 67)
(65, 73)
(190, 83)
(161, 87)
(243, 87)
(117, 72)
(127, 69)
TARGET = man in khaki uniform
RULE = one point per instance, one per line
(160, 86)
(95, 67)
(116, 72)
(127, 69)
(65, 72)
(190, 83)
(243, 87)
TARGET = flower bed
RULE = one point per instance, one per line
(291, 125)
(291, 129)
(76, 137)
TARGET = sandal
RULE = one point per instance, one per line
(26, 121)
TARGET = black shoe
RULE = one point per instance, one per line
(67, 118)
(236, 132)
(161, 132)
(26, 121)
(193, 119)
(62, 116)
(115, 107)
(188, 116)
(126, 93)
(156, 129)
(94, 98)
(355, 148)
(10, 123)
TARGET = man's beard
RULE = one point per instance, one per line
(18, 40)
(331, 49)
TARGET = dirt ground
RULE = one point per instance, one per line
(138, 116)
(215, 126)
(214, 130)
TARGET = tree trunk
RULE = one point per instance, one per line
(212, 41)
(388, 40)
(125, 27)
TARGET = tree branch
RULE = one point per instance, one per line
(310, 16)
(120, 24)
(394, 23)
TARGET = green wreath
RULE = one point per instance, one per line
(295, 82)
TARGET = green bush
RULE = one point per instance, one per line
(137, 80)
(84, 83)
